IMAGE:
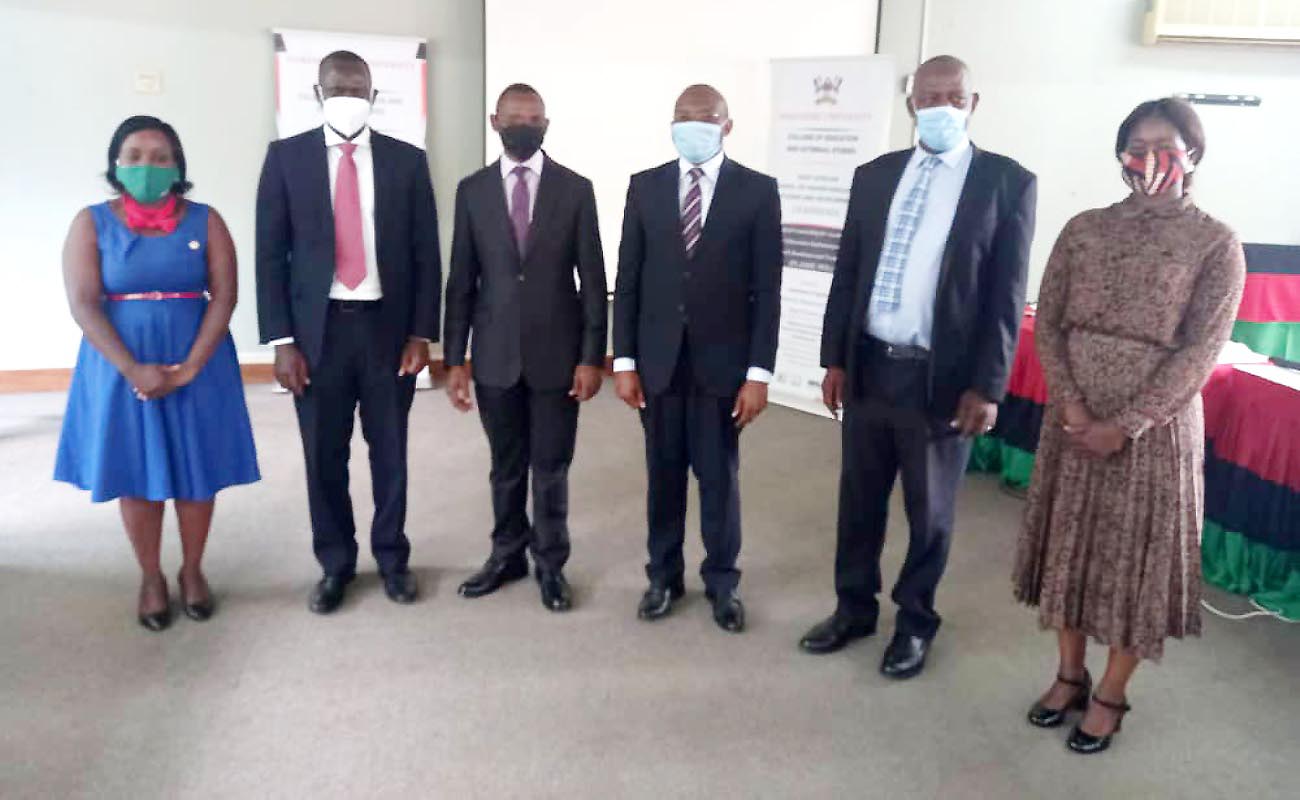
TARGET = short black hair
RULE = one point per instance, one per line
(518, 88)
(1176, 112)
(342, 58)
(143, 123)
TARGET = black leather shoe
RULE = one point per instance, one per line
(1045, 717)
(832, 634)
(556, 595)
(157, 621)
(905, 656)
(328, 594)
(401, 587)
(728, 611)
(494, 574)
(200, 611)
(1086, 743)
(658, 599)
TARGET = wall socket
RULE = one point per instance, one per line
(148, 82)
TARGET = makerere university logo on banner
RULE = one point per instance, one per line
(827, 90)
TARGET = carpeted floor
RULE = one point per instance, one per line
(497, 697)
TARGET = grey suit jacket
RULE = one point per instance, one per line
(529, 316)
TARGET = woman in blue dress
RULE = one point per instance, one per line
(156, 409)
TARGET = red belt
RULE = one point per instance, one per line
(158, 296)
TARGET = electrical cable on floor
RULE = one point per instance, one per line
(1259, 611)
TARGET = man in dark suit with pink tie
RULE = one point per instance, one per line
(348, 289)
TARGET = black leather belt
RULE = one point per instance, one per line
(896, 352)
(354, 306)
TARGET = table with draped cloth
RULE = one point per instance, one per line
(1251, 543)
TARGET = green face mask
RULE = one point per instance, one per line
(147, 183)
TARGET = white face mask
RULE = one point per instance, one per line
(347, 115)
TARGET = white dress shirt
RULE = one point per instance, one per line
(912, 321)
(533, 177)
(708, 186)
(369, 288)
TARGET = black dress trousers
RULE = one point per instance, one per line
(887, 431)
(687, 429)
(530, 431)
(357, 368)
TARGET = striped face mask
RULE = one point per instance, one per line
(1157, 171)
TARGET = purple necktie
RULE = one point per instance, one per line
(519, 208)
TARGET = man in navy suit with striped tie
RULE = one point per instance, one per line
(696, 312)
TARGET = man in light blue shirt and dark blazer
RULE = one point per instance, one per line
(918, 340)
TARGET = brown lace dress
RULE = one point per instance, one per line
(1134, 307)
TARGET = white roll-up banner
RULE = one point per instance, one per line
(829, 115)
(398, 71)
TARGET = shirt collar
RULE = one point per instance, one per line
(534, 163)
(332, 138)
(950, 158)
(711, 167)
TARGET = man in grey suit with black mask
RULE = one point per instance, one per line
(524, 225)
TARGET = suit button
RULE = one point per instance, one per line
(682, 309)
(688, 276)
(521, 278)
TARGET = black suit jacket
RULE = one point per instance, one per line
(980, 297)
(726, 300)
(528, 316)
(295, 242)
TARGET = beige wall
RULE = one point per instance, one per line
(69, 67)
(1057, 76)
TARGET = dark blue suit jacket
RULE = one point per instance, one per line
(725, 301)
(295, 243)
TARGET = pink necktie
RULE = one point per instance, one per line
(349, 245)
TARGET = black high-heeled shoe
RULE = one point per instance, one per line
(1045, 717)
(199, 612)
(157, 621)
(1086, 743)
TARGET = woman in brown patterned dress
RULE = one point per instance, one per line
(1136, 303)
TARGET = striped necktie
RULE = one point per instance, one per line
(692, 224)
(888, 292)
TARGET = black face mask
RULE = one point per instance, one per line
(521, 141)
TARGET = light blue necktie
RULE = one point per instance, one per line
(888, 292)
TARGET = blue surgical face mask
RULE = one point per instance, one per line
(697, 142)
(941, 128)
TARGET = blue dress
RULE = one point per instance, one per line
(195, 441)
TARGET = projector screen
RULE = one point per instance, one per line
(610, 73)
